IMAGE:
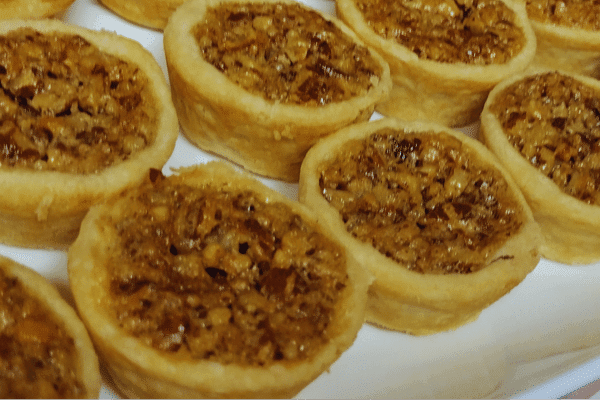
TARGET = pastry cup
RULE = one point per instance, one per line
(266, 137)
(150, 13)
(407, 300)
(39, 289)
(570, 226)
(32, 8)
(452, 94)
(43, 209)
(141, 370)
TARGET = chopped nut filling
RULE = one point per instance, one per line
(584, 14)
(554, 122)
(286, 53)
(37, 357)
(223, 276)
(477, 32)
(421, 200)
(66, 106)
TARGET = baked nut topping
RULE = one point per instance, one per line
(421, 200)
(286, 53)
(67, 106)
(553, 120)
(476, 32)
(570, 13)
(223, 276)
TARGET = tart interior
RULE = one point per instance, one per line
(67, 106)
(221, 275)
(38, 359)
(553, 120)
(285, 53)
(423, 200)
(479, 32)
(570, 13)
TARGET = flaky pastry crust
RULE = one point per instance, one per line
(44, 208)
(151, 13)
(140, 370)
(266, 137)
(32, 8)
(406, 300)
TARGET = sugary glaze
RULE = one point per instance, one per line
(67, 106)
(582, 14)
(553, 120)
(286, 53)
(478, 32)
(422, 200)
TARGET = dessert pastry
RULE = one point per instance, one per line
(207, 284)
(429, 212)
(544, 127)
(568, 35)
(32, 8)
(150, 13)
(83, 115)
(444, 55)
(45, 351)
(260, 81)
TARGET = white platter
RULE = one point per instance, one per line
(542, 340)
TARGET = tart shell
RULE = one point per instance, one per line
(150, 13)
(43, 209)
(32, 8)
(142, 371)
(406, 300)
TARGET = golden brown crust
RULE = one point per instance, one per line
(141, 370)
(449, 93)
(87, 370)
(32, 8)
(151, 13)
(265, 137)
(44, 208)
(407, 300)
(569, 225)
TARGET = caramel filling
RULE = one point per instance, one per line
(583, 14)
(422, 200)
(286, 53)
(479, 32)
(223, 276)
(66, 106)
(37, 357)
(554, 122)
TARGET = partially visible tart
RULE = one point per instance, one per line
(444, 56)
(207, 284)
(45, 351)
(544, 127)
(32, 8)
(568, 35)
(430, 212)
(150, 13)
(260, 81)
(83, 115)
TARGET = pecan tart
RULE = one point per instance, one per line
(444, 55)
(45, 351)
(260, 81)
(545, 128)
(207, 284)
(430, 212)
(83, 115)
(32, 8)
(150, 13)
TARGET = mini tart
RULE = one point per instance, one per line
(568, 35)
(32, 8)
(429, 212)
(260, 81)
(83, 115)
(45, 351)
(150, 13)
(447, 55)
(224, 288)
(544, 129)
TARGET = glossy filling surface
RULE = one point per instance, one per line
(37, 357)
(553, 120)
(479, 32)
(223, 276)
(67, 106)
(583, 14)
(285, 53)
(423, 200)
